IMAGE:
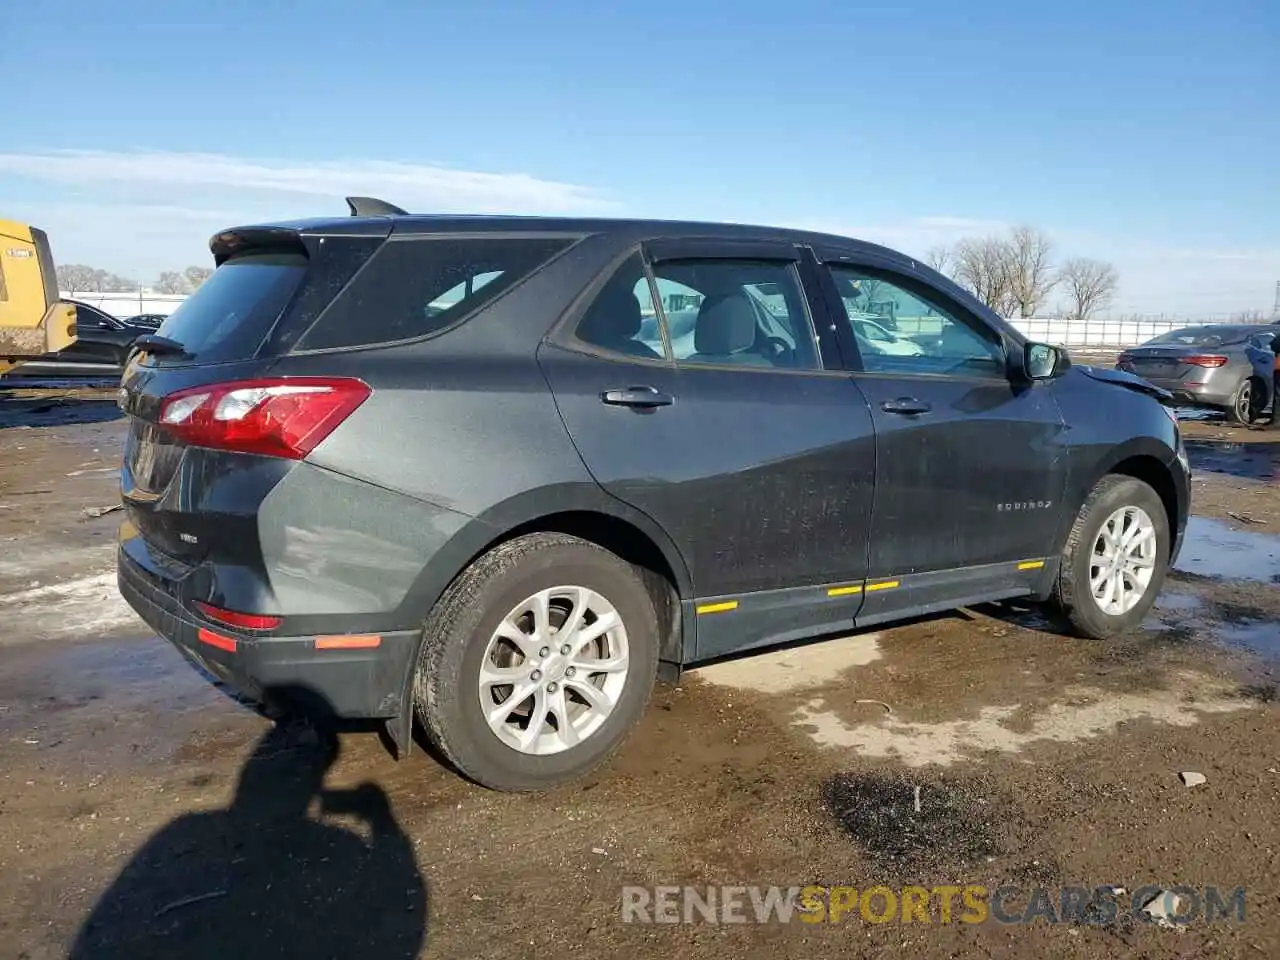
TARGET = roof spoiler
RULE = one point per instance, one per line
(373, 207)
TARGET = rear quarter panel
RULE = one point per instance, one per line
(460, 442)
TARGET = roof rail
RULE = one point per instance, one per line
(373, 207)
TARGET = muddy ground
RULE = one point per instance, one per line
(146, 813)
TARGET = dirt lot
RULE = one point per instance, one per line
(145, 813)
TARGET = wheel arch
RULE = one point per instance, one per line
(580, 510)
(1146, 459)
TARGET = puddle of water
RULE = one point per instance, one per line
(1177, 602)
(1254, 461)
(1213, 549)
(1086, 713)
(112, 703)
(1258, 636)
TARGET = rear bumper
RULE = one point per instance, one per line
(363, 682)
(1190, 392)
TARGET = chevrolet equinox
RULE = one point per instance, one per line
(499, 473)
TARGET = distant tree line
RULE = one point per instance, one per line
(1015, 274)
(79, 278)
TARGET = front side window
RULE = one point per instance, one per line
(901, 331)
(736, 313)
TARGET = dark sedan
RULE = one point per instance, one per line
(1207, 366)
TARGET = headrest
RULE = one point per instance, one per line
(726, 325)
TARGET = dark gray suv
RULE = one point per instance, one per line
(472, 470)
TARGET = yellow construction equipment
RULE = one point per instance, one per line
(34, 321)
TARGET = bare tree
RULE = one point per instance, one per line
(196, 276)
(1249, 316)
(75, 277)
(1028, 269)
(78, 278)
(940, 258)
(171, 282)
(982, 266)
(1090, 285)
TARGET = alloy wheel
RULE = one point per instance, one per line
(1123, 560)
(553, 670)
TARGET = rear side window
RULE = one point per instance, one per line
(231, 313)
(413, 288)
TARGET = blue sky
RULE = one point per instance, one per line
(1147, 133)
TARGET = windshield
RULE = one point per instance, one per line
(1200, 337)
(234, 310)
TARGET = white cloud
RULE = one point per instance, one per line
(426, 188)
(137, 213)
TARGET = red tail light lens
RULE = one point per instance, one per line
(1205, 360)
(245, 621)
(276, 417)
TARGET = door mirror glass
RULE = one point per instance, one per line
(1043, 362)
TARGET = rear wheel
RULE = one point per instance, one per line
(1244, 404)
(537, 662)
(1115, 559)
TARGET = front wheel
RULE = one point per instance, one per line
(537, 662)
(1115, 559)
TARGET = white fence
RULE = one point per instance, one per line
(1123, 332)
(128, 304)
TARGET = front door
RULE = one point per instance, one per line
(697, 391)
(971, 467)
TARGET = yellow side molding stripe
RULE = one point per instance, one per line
(844, 591)
(883, 585)
(718, 607)
(1031, 565)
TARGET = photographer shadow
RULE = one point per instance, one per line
(262, 878)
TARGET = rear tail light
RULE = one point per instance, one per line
(245, 621)
(275, 417)
(1205, 360)
(1125, 358)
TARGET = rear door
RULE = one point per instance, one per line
(971, 468)
(732, 427)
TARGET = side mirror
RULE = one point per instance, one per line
(1040, 361)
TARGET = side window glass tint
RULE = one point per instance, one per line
(900, 331)
(736, 313)
(412, 288)
(622, 318)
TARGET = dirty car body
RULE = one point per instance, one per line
(424, 389)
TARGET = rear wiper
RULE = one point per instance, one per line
(160, 346)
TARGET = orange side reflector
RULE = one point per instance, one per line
(355, 642)
(217, 640)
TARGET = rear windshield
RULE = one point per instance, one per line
(415, 287)
(232, 312)
(1201, 337)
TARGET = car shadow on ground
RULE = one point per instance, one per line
(263, 877)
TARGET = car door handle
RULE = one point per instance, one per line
(644, 397)
(906, 405)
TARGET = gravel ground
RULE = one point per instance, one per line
(146, 813)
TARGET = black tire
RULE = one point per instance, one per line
(1071, 593)
(1244, 403)
(458, 631)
